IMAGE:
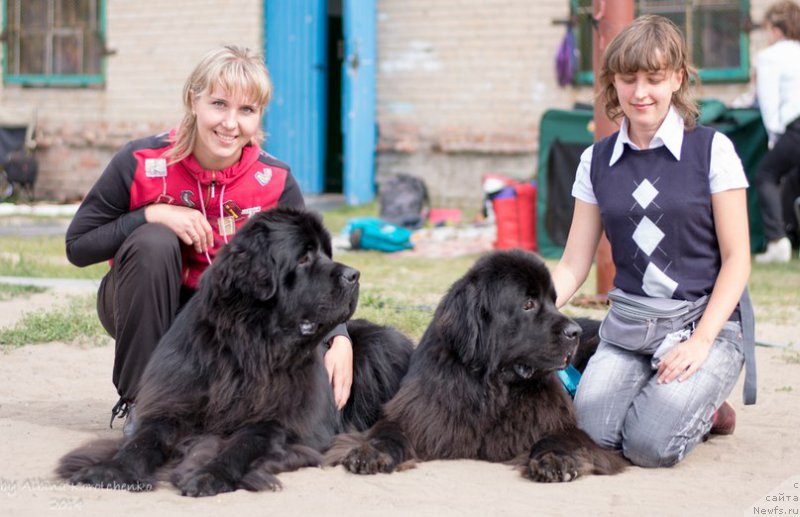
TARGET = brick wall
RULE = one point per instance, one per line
(154, 50)
(463, 84)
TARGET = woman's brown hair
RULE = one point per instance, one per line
(651, 43)
(785, 15)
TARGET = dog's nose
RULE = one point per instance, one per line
(572, 331)
(349, 275)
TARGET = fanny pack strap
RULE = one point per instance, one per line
(696, 310)
(749, 337)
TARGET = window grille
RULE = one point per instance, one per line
(54, 42)
(716, 33)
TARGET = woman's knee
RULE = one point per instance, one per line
(153, 238)
(596, 423)
(647, 450)
(151, 243)
(767, 178)
(150, 255)
(651, 442)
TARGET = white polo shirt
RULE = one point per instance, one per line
(726, 171)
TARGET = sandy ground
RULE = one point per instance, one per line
(54, 397)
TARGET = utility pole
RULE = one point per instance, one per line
(609, 17)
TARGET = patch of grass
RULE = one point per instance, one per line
(790, 355)
(77, 321)
(396, 290)
(402, 291)
(395, 311)
(336, 219)
(9, 291)
(42, 257)
(784, 389)
(775, 289)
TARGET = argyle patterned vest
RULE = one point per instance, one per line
(656, 212)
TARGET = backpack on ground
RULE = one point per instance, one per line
(404, 201)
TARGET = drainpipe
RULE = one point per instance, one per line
(609, 18)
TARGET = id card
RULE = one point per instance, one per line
(226, 225)
(155, 167)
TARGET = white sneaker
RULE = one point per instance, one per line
(777, 252)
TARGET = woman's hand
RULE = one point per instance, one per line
(188, 224)
(339, 364)
(684, 360)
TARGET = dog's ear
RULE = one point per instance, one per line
(246, 269)
(460, 322)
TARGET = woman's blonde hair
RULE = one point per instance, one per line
(785, 15)
(651, 43)
(238, 71)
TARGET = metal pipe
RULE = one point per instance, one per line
(610, 17)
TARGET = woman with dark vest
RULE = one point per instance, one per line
(166, 204)
(670, 196)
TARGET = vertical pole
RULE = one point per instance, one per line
(610, 17)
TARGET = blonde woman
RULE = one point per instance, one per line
(166, 204)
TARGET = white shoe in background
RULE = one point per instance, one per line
(777, 252)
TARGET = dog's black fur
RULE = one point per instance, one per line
(236, 390)
(482, 383)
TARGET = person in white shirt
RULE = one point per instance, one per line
(670, 195)
(778, 91)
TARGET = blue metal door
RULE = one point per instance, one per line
(295, 36)
(358, 110)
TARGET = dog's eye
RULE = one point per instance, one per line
(531, 305)
(304, 260)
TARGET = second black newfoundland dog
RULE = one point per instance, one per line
(236, 391)
(482, 383)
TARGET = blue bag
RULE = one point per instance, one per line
(371, 233)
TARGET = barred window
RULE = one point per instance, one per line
(716, 33)
(54, 42)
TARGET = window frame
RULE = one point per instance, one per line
(47, 80)
(738, 74)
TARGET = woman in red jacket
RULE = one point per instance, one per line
(166, 204)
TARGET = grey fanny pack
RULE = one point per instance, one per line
(640, 323)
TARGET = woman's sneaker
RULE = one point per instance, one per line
(779, 251)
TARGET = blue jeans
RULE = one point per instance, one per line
(620, 404)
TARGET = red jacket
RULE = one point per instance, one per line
(138, 175)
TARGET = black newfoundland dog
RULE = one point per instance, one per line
(482, 383)
(236, 391)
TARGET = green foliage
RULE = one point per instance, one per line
(396, 289)
(42, 256)
(402, 291)
(77, 321)
(336, 218)
(379, 308)
(791, 355)
(9, 291)
(775, 289)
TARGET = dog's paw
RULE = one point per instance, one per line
(553, 467)
(109, 476)
(205, 483)
(366, 459)
(256, 480)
